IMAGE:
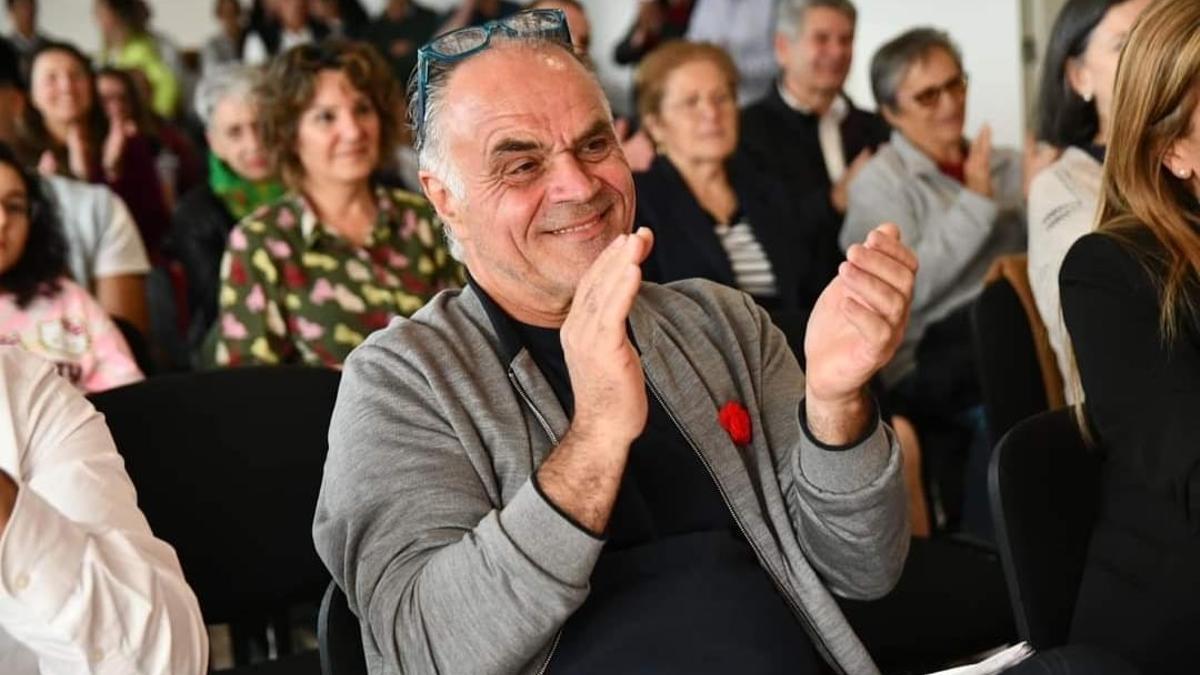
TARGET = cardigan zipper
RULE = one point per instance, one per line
(799, 611)
(512, 377)
(537, 414)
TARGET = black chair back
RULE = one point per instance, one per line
(339, 636)
(227, 466)
(1044, 485)
(138, 345)
(1010, 376)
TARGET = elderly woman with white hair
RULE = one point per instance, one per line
(240, 180)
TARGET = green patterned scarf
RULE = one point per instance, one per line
(240, 196)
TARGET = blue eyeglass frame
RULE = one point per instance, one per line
(547, 24)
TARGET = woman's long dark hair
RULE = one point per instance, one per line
(36, 138)
(44, 260)
(1063, 117)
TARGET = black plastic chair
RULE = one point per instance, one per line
(1010, 375)
(227, 466)
(1044, 485)
(339, 636)
(138, 345)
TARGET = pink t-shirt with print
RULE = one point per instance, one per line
(74, 333)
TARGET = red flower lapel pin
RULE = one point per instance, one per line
(735, 420)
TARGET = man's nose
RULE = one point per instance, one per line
(571, 180)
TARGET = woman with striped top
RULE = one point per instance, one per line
(713, 215)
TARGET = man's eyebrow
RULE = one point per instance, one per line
(511, 145)
(600, 127)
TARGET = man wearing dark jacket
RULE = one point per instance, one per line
(805, 130)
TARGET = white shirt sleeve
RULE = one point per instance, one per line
(101, 234)
(84, 584)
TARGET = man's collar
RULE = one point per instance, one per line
(511, 342)
(838, 109)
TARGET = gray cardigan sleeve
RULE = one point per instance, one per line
(947, 241)
(444, 578)
(847, 505)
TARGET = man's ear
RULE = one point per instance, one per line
(888, 115)
(782, 42)
(444, 202)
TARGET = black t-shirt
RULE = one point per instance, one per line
(677, 589)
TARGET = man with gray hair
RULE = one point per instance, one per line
(563, 467)
(806, 131)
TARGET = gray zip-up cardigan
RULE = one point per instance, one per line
(428, 517)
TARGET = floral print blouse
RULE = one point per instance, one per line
(294, 291)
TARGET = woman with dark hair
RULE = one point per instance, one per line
(129, 44)
(65, 132)
(306, 278)
(1073, 114)
(40, 308)
(122, 97)
(1131, 302)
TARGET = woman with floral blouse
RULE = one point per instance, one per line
(305, 279)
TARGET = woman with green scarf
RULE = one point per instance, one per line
(239, 182)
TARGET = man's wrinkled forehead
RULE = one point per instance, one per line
(514, 86)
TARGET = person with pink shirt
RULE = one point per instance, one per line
(41, 309)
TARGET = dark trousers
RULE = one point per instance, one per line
(941, 397)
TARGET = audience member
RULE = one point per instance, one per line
(175, 157)
(403, 26)
(343, 18)
(240, 181)
(508, 460)
(959, 205)
(64, 132)
(715, 217)
(129, 44)
(22, 16)
(1130, 297)
(88, 587)
(577, 23)
(657, 21)
(226, 46)
(806, 131)
(477, 12)
(105, 254)
(307, 278)
(40, 309)
(744, 29)
(1073, 114)
(290, 25)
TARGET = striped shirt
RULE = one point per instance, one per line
(752, 271)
